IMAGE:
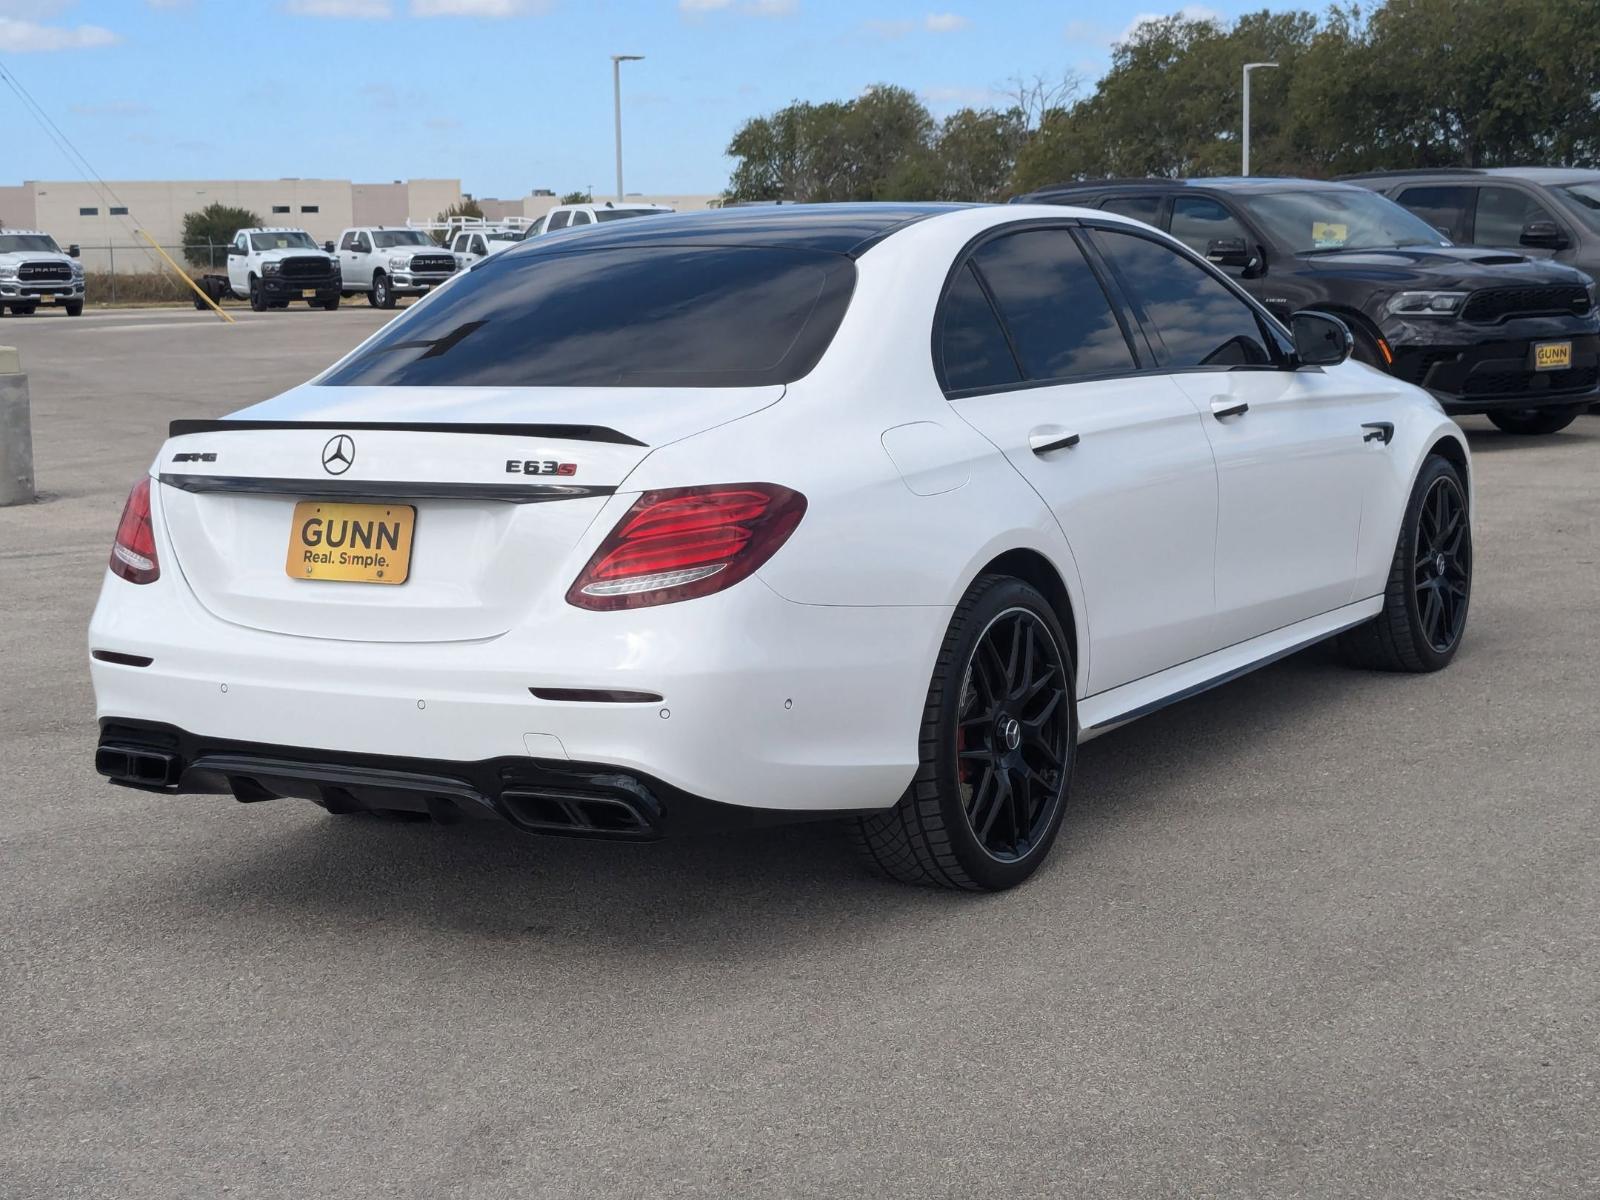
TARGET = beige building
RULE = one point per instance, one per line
(96, 218)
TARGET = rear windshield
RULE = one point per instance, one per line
(617, 214)
(644, 316)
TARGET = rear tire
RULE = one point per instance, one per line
(1536, 421)
(1425, 602)
(997, 748)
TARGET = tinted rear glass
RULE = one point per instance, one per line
(645, 316)
(1058, 316)
(973, 353)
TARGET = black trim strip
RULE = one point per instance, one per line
(595, 696)
(386, 489)
(121, 659)
(571, 433)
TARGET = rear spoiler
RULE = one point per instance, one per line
(571, 433)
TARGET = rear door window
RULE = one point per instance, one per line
(1197, 221)
(1195, 319)
(973, 352)
(1445, 208)
(1059, 318)
(644, 316)
(1501, 214)
(1140, 208)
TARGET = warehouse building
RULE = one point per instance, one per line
(100, 218)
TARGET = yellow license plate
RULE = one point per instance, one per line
(1552, 356)
(308, 293)
(351, 543)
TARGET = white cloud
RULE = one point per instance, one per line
(20, 36)
(755, 8)
(358, 9)
(945, 22)
(891, 30)
(476, 8)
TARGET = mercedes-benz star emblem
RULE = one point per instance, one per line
(1011, 731)
(339, 455)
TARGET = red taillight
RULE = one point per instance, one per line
(133, 553)
(687, 542)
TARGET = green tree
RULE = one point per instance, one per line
(465, 207)
(206, 233)
(578, 198)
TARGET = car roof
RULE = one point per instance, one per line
(1253, 184)
(1555, 175)
(835, 228)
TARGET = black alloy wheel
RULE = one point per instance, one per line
(996, 750)
(258, 298)
(1425, 599)
(1442, 575)
(1012, 735)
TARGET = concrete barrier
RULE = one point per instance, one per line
(16, 432)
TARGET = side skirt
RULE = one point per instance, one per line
(1106, 710)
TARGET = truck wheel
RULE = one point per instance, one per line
(1536, 420)
(331, 303)
(200, 304)
(25, 310)
(382, 295)
(258, 298)
(74, 308)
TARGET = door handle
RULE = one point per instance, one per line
(1378, 431)
(1223, 407)
(1042, 441)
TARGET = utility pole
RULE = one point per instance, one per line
(1245, 140)
(616, 103)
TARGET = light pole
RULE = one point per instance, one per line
(1248, 67)
(616, 101)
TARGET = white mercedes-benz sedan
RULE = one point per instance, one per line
(865, 511)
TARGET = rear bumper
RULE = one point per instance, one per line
(554, 797)
(753, 701)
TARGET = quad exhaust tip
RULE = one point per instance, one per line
(137, 766)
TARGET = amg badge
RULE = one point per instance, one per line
(529, 466)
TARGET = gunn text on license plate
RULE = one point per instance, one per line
(351, 543)
(1552, 356)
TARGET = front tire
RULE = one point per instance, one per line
(997, 748)
(74, 308)
(382, 294)
(1430, 581)
(1536, 421)
(258, 297)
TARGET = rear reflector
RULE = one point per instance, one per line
(686, 542)
(133, 551)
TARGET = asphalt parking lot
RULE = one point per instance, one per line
(1317, 933)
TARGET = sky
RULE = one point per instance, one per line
(506, 95)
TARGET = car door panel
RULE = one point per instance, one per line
(1288, 444)
(1119, 457)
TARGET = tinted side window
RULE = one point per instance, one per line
(1059, 318)
(645, 316)
(348, 242)
(581, 218)
(973, 352)
(558, 221)
(1199, 321)
(1140, 208)
(1502, 212)
(1197, 222)
(1442, 207)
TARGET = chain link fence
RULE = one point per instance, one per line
(130, 272)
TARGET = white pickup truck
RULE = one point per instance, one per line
(468, 246)
(576, 216)
(274, 267)
(34, 271)
(385, 262)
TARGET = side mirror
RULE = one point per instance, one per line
(235, 251)
(327, 247)
(1229, 252)
(72, 250)
(1546, 235)
(1320, 339)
